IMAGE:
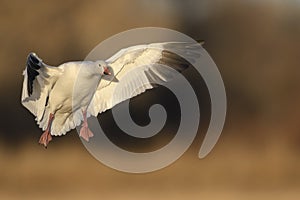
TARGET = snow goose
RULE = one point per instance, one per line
(48, 92)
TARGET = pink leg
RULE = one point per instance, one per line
(85, 132)
(46, 136)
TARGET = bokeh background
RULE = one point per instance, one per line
(256, 46)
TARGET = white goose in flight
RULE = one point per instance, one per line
(49, 93)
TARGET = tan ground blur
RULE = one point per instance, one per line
(234, 170)
(256, 47)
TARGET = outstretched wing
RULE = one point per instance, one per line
(135, 69)
(38, 80)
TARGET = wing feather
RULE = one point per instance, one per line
(38, 81)
(138, 68)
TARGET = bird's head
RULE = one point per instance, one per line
(104, 69)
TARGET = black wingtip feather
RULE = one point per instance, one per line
(201, 42)
(173, 60)
(33, 64)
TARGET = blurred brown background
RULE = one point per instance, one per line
(256, 47)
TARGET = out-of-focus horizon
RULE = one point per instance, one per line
(255, 44)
